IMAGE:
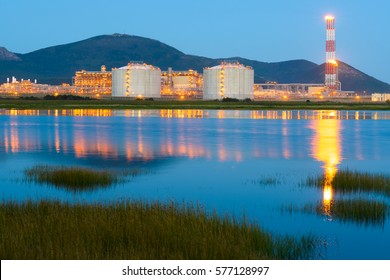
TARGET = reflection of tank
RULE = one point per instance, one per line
(229, 79)
(137, 80)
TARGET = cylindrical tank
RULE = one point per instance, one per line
(229, 79)
(136, 80)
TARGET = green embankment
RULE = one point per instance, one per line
(192, 104)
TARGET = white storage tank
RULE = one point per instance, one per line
(138, 80)
(229, 79)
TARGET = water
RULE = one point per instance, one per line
(237, 162)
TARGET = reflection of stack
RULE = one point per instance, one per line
(327, 148)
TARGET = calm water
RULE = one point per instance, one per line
(236, 162)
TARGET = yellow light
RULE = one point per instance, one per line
(329, 17)
(357, 97)
(327, 194)
(332, 61)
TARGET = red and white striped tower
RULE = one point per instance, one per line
(331, 67)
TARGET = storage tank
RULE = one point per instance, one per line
(137, 80)
(229, 79)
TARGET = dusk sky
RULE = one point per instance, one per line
(268, 31)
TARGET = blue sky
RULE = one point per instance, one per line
(262, 30)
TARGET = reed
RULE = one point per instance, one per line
(358, 211)
(137, 230)
(72, 178)
(346, 181)
(268, 181)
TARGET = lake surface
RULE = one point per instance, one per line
(236, 162)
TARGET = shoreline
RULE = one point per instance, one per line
(21, 104)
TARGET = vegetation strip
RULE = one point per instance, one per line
(347, 180)
(136, 230)
(73, 178)
(189, 104)
(359, 211)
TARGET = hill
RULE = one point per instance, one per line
(6, 55)
(57, 64)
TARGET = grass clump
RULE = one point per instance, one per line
(359, 211)
(268, 181)
(136, 230)
(72, 178)
(346, 181)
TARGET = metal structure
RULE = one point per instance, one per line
(137, 80)
(229, 79)
(331, 67)
(93, 82)
(380, 97)
(181, 84)
(285, 91)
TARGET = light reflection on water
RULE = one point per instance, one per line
(326, 145)
(208, 157)
(220, 114)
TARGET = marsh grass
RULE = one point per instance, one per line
(353, 181)
(80, 178)
(358, 211)
(72, 178)
(136, 230)
(268, 181)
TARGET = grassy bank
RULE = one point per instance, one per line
(136, 230)
(353, 181)
(189, 104)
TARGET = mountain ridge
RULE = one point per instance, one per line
(57, 64)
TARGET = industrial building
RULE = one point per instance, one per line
(137, 80)
(273, 90)
(229, 79)
(181, 84)
(93, 82)
(23, 87)
(380, 97)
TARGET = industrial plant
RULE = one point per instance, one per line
(229, 79)
(181, 84)
(93, 82)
